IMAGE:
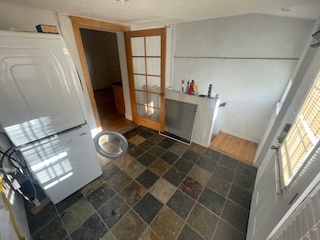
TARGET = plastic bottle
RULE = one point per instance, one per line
(187, 88)
(209, 91)
(190, 91)
(182, 86)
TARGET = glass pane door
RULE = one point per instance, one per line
(146, 74)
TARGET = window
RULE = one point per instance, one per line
(303, 135)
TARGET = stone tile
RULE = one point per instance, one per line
(207, 163)
(162, 190)
(169, 157)
(224, 172)
(243, 181)
(148, 207)
(212, 201)
(197, 148)
(91, 187)
(139, 129)
(156, 138)
(133, 193)
(136, 152)
(76, 214)
(109, 170)
(129, 134)
(157, 150)
(54, 230)
(212, 155)
(159, 167)
(241, 197)
(147, 179)
(100, 196)
(174, 176)
(203, 221)
(134, 169)
(191, 156)
(188, 233)
(191, 187)
(235, 215)
(167, 224)
(123, 161)
(119, 181)
(130, 145)
(226, 232)
(178, 149)
(146, 145)
(129, 227)
(146, 134)
(104, 161)
(228, 162)
(92, 228)
(219, 185)
(113, 211)
(45, 216)
(108, 236)
(64, 204)
(166, 143)
(136, 140)
(148, 234)
(247, 170)
(199, 174)
(146, 159)
(183, 165)
(181, 204)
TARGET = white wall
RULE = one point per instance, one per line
(268, 210)
(248, 59)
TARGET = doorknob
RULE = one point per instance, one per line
(161, 94)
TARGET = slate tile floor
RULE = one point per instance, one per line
(160, 189)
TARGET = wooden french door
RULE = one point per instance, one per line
(146, 54)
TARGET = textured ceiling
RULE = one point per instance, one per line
(159, 12)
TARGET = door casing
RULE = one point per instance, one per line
(77, 23)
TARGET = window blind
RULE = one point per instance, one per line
(303, 135)
(304, 223)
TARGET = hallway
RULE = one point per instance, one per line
(110, 118)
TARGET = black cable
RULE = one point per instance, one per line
(8, 180)
(10, 161)
(3, 155)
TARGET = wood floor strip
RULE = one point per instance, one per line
(237, 148)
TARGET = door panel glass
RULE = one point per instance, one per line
(141, 97)
(154, 84)
(139, 65)
(137, 45)
(153, 46)
(153, 66)
(155, 116)
(141, 111)
(146, 79)
(154, 100)
(140, 82)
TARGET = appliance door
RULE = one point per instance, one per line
(64, 163)
(38, 87)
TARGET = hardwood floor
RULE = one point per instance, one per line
(234, 147)
(109, 117)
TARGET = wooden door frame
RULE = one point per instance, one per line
(145, 33)
(77, 23)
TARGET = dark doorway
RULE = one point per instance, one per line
(101, 50)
